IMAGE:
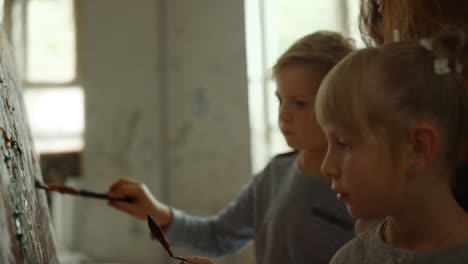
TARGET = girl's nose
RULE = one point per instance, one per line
(328, 167)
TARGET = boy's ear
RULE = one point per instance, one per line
(425, 141)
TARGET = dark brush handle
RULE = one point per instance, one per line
(103, 196)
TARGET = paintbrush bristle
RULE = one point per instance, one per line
(41, 185)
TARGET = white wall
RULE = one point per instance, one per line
(166, 103)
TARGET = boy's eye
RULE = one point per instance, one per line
(301, 103)
(340, 142)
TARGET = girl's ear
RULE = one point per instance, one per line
(425, 142)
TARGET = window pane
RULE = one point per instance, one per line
(56, 117)
(2, 9)
(50, 41)
(305, 17)
(353, 17)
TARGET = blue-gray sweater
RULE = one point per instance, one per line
(293, 217)
(369, 248)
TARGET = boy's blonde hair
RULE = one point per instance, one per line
(320, 51)
(380, 91)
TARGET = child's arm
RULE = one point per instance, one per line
(222, 234)
(143, 202)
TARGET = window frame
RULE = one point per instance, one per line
(20, 41)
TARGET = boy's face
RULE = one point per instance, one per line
(296, 90)
(363, 173)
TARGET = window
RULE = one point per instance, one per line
(271, 27)
(44, 37)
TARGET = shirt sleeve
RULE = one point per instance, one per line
(219, 235)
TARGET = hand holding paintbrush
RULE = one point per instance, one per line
(80, 192)
(143, 201)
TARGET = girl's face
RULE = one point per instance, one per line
(364, 174)
(296, 90)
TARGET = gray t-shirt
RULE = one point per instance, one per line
(294, 218)
(369, 248)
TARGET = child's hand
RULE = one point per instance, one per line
(143, 202)
(198, 260)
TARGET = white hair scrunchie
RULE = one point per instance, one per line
(396, 35)
(441, 65)
(459, 68)
(426, 43)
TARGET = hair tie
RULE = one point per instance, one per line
(459, 68)
(426, 43)
(396, 35)
(441, 65)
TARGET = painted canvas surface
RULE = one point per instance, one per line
(26, 234)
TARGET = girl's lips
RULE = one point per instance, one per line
(287, 132)
(342, 196)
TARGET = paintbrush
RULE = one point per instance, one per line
(158, 233)
(80, 192)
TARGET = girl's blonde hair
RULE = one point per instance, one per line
(320, 51)
(378, 91)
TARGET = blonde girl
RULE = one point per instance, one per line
(386, 21)
(395, 118)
